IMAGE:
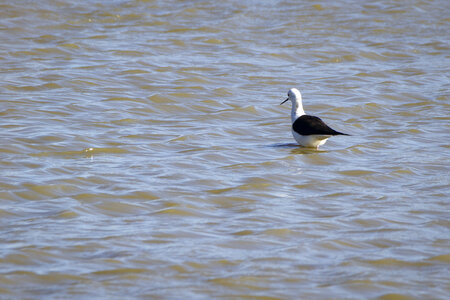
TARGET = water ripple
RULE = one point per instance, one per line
(144, 152)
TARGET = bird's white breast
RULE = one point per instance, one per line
(310, 141)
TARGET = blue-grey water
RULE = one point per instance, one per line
(144, 153)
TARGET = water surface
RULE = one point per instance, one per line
(144, 153)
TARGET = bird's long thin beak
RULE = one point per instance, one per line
(284, 101)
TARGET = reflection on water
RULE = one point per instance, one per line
(300, 150)
(144, 153)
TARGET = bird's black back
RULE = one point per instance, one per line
(309, 125)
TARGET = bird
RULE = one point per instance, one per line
(308, 131)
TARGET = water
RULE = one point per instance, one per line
(144, 153)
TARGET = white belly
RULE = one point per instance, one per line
(310, 141)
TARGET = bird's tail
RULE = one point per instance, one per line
(341, 133)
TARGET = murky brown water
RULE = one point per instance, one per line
(144, 153)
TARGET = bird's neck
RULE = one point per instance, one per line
(297, 111)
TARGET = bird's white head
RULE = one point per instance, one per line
(297, 106)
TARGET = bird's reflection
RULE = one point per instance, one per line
(303, 150)
(296, 149)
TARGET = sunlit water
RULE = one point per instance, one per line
(144, 153)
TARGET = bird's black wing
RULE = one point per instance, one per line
(309, 125)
